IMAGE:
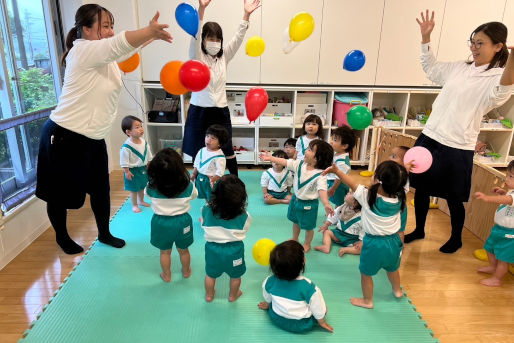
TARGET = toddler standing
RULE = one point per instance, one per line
(312, 129)
(309, 185)
(382, 205)
(225, 222)
(276, 182)
(500, 244)
(134, 156)
(210, 162)
(171, 191)
(293, 302)
(343, 141)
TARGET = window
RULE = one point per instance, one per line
(29, 85)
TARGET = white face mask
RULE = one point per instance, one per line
(212, 47)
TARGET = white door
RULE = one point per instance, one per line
(399, 55)
(349, 25)
(461, 17)
(242, 68)
(301, 65)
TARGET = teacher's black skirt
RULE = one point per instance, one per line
(450, 173)
(197, 122)
(69, 166)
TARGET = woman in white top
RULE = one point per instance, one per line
(72, 157)
(209, 106)
(470, 90)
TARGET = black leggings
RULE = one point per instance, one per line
(457, 213)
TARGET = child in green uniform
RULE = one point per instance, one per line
(343, 141)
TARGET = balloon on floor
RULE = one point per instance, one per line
(261, 251)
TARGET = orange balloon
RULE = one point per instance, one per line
(170, 78)
(130, 64)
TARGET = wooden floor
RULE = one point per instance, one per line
(444, 288)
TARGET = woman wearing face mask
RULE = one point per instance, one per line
(209, 106)
(470, 90)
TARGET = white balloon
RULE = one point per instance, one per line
(288, 44)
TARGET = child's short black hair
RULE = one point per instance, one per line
(324, 153)
(346, 135)
(219, 132)
(229, 198)
(290, 141)
(392, 177)
(280, 154)
(287, 260)
(127, 122)
(312, 118)
(167, 173)
(510, 166)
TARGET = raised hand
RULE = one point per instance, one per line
(204, 3)
(251, 5)
(426, 25)
(158, 31)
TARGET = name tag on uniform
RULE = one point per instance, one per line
(509, 236)
(307, 208)
(237, 262)
(187, 229)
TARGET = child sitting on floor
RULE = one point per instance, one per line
(290, 148)
(348, 233)
(293, 302)
(225, 222)
(171, 191)
(276, 182)
(500, 244)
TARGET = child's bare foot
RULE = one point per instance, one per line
(187, 273)
(361, 302)
(144, 203)
(165, 277)
(209, 297)
(487, 270)
(398, 293)
(232, 299)
(306, 248)
(341, 252)
(136, 209)
(322, 248)
(491, 282)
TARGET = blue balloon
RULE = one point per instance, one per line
(187, 18)
(354, 60)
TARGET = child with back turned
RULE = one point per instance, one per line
(210, 162)
(171, 191)
(293, 302)
(276, 182)
(343, 141)
(309, 185)
(134, 156)
(312, 129)
(225, 222)
(500, 244)
(382, 205)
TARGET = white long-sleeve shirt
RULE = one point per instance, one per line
(468, 93)
(92, 84)
(214, 95)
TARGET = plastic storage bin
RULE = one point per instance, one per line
(342, 104)
(175, 144)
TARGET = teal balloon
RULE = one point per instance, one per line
(359, 117)
(187, 18)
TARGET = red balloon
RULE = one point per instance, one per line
(255, 102)
(194, 75)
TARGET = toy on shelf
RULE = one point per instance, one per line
(485, 153)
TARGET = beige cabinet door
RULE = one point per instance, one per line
(349, 25)
(399, 55)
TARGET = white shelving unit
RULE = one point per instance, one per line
(288, 106)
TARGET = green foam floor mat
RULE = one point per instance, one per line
(116, 295)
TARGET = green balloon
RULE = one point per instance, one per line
(359, 117)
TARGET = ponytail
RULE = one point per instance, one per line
(70, 38)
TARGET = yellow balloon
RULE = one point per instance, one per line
(301, 26)
(261, 251)
(481, 254)
(255, 46)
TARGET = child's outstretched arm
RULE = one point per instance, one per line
(266, 156)
(323, 195)
(497, 199)
(346, 179)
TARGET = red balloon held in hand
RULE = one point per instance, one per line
(255, 102)
(195, 75)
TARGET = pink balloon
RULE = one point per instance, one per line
(256, 101)
(422, 159)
